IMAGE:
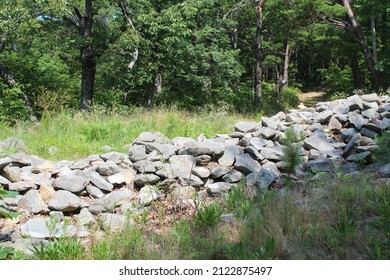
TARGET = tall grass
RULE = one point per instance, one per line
(76, 135)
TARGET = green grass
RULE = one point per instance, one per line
(77, 135)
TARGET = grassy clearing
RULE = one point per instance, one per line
(335, 218)
(77, 135)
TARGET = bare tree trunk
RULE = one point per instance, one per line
(287, 54)
(259, 51)
(87, 56)
(153, 90)
(376, 78)
(357, 75)
(9, 79)
(373, 38)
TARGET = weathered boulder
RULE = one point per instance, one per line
(64, 201)
(33, 202)
(246, 164)
(74, 184)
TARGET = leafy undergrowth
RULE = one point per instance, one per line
(338, 217)
(68, 135)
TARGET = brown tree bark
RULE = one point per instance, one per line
(376, 78)
(259, 51)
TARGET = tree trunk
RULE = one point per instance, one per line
(373, 38)
(357, 75)
(9, 79)
(155, 89)
(259, 52)
(287, 54)
(376, 78)
(88, 71)
(88, 56)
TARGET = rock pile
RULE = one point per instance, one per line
(337, 136)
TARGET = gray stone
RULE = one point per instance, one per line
(165, 150)
(334, 124)
(181, 141)
(12, 173)
(108, 168)
(244, 141)
(233, 176)
(4, 162)
(64, 201)
(85, 217)
(319, 165)
(74, 184)
(165, 171)
(155, 137)
(4, 181)
(116, 179)
(96, 209)
(94, 191)
(369, 113)
(268, 132)
(219, 187)
(203, 159)
(99, 181)
(115, 157)
(201, 172)
(22, 186)
(373, 97)
(183, 193)
(255, 154)
(219, 171)
(319, 142)
(324, 116)
(245, 126)
(384, 170)
(246, 164)
(141, 180)
(228, 218)
(148, 194)
(49, 228)
(369, 133)
(272, 153)
(356, 120)
(229, 155)
(182, 165)
(353, 142)
(114, 199)
(194, 181)
(33, 202)
(348, 133)
(145, 166)
(137, 153)
(207, 147)
(258, 143)
(358, 157)
(374, 127)
(115, 222)
(81, 164)
(354, 103)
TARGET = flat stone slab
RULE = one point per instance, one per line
(246, 164)
(64, 201)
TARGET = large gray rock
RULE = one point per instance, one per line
(93, 191)
(99, 181)
(182, 165)
(13, 144)
(246, 164)
(183, 193)
(108, 168)
(356, 120)
(354, 103)
(114, 199)
(148, 194)
(245, 126)
(74, 184)
(384, 170)
(359, 157)
(319, 142)
(324, 116)
(229, 155)
(207, 147)
(12, 173)
(33, 202)
(352, 143)
(233, 176)
(4, 162)
(272, 153)
(268, 132)
(115, 222)
(319, 165)
(201, 172)
(258, 143)
(219, 171)
(155, 137)
(219, 187)
(141, 180)
(85, 217)
(22, 186)
(262, 179)
(137, 153)
(117, 158)
(64, 201)
(334, 124)
(116, 179)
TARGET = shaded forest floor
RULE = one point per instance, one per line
(312, 97)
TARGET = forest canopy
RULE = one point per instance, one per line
(235, 54)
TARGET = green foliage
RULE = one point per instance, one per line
(338, 80)
(382, 153)
(12, 107)
(59, 249)
(291, 150)
(209, 216)
(6, 253)
(238, 201)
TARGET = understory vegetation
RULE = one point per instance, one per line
(74, 135)
(338, 217)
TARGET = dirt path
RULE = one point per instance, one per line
(311, 98)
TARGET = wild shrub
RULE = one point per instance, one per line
(291, 150)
